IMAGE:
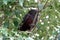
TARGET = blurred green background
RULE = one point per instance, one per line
(13, 11)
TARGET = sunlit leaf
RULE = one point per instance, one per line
(21, 2)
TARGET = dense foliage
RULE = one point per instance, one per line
(13, 11)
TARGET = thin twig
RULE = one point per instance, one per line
(45, 4)
(39, 10)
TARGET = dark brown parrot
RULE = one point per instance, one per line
(28, 20)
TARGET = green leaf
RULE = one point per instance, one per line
(15, 21)
(4, 38)
(6, 24)
(7, 12)
(40, 6)
(5, 1)
(29, 38)
(17, 13)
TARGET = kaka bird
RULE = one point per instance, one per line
(27, 23)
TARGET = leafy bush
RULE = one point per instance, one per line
(13, 11)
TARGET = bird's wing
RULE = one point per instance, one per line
(25, 18)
